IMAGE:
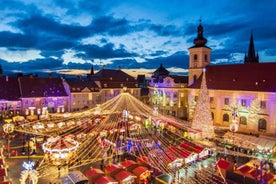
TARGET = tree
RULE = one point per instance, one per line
(254, 109)
(202, 119)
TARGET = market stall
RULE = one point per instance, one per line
(129, 164)
(93, 174)
(125, 177)
(142, 174)
(74, 177)
(105, 180)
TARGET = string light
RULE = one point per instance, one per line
(202, 119)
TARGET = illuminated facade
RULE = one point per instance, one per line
(83, 93)
(113, 82)
(167, 93)
(249, 89)
(40, 96)
(99, 87)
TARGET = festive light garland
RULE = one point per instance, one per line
(202, 119)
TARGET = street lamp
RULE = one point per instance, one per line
(8, 129)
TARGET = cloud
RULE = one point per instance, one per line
(105, 52)
(70, 56)
(19, 55)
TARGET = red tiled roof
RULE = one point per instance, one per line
(243, 77)
(9, 89)
(105, 180)
(41, 87)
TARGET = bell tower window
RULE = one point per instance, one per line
(195, 57)
(206, 58)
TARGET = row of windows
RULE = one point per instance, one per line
(243, 121)
(205, 57)
(244, 102)
(168, 94)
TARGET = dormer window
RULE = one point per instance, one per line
(110, 78)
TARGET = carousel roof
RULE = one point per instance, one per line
(60, 145)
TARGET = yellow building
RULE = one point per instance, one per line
(247, 90)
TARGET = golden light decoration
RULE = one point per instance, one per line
(8, 128)
(234, 127)
(60, 151)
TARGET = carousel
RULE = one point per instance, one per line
(60, 151)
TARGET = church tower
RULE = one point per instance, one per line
(251, 56)
(199, 55)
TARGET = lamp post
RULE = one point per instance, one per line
(8, 129)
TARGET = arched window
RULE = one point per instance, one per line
(225, 117)
(262, 125)
(195, 57)
(243, 120)
(213, 115)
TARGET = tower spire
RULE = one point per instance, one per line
(200, 40)
(251, 56)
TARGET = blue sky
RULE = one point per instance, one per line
(68, 36)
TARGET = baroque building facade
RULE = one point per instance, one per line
(246, 90)
(167, 93)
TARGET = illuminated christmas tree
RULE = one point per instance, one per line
(253, 111)
(202, 119)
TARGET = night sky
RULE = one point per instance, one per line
(68, 36)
